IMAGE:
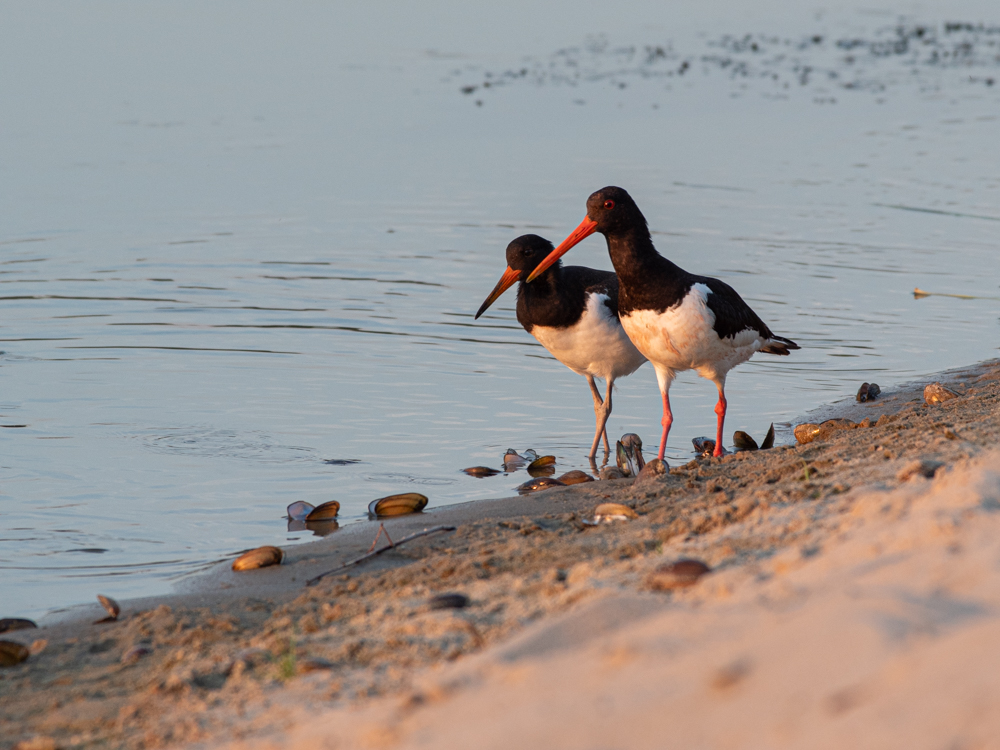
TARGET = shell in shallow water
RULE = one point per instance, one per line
(768, 438)
(15, 623)
(480, 471)
(398, 505)
(261, 557)
(742, 441)
(298, 510)
(324, 512)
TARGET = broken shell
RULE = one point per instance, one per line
(768, 438)
(614, 512)
(742, 441)
(12, 653)
(324, 512)
(677, 575)
(530, 455)
(448, 601)
(480, 471)
(398, 505)
(935, 393)
(612, 472)
(806, 432)
(539, 483)
(575, 477)
(15, 623)
(261, 557)
(653, 470)
(298, 510)
(111, 606)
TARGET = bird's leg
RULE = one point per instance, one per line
(668, 420)
(598, 409)
(720, 409)
(602, 420)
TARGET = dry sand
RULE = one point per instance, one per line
(852, 603)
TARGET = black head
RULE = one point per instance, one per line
(614, 211)
(526, 252)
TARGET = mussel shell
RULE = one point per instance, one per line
(324, 512)
(110, 605)
(624, 459)
(542, 462)
(873, 391)
(677, 575)
(398, 505)
(614, 512)
(8, 624)
(806, 432)
(449, 601)
(742, 441)
(539, 483)
(12, 653)
(768, 438)
(261, 557)
(298, 510)
(480, 471)
(575, 477)
(862, 393)
(530, 455)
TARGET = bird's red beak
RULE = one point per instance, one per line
(510, 276)
(587, 227)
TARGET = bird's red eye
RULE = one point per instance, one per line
(609, 204)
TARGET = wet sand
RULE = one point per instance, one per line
(852, 602)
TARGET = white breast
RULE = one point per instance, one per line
(596, 345)
(682, 338)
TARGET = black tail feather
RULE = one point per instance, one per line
(778, 345)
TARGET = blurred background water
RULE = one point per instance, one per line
(242, 244)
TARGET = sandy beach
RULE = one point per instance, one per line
(853, 600)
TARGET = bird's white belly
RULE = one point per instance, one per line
(682, 338)
(596, 345)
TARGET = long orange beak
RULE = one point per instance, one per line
(587, 227)
(510, 276)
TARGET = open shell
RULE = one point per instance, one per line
(743, 441)
(542, 462)
(398, 505)
(110, 606)
(298, 510)
(261, 557)
(324, 512)
(768, 438)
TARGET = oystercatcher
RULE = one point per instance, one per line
(573, 312)
(678, 320)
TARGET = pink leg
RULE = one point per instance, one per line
(720, 409)
(668, 420)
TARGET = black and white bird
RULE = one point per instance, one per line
(573, 312)
(679, 321)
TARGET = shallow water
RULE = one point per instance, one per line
(242, 248)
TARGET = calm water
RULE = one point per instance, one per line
(242, 241)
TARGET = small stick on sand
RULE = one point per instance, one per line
(366, 556)
(381, 531)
